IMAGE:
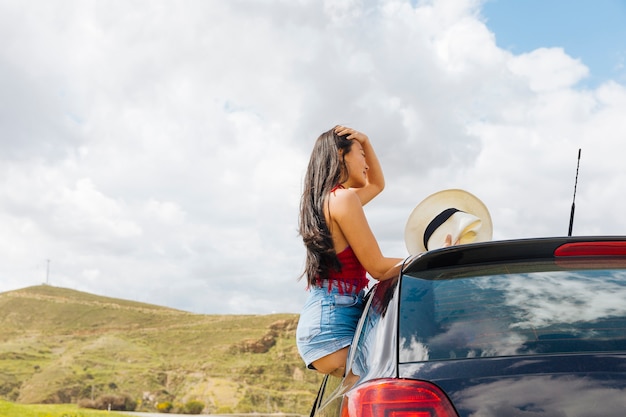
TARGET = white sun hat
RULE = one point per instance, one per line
(449, 212)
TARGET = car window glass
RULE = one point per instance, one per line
(558, 311)
(373, 352)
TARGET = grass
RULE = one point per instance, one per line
(61, 346)
(8, 409)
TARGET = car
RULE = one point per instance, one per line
(515, 328)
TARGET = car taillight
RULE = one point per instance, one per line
(591, 249)
(397, 398)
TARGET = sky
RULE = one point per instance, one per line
(154, 150)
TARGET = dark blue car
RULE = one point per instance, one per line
(520, 328)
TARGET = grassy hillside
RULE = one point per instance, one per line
(60, 346)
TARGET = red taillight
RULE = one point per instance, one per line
(397, 398)
(591, 249)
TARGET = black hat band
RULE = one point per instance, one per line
(436, 222)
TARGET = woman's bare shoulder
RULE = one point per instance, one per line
(344, 201)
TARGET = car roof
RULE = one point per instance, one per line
(605, 248)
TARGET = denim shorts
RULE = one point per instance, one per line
(327, 322)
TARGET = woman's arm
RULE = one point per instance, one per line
(375, 177)
(347, 213)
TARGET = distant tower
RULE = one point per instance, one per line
(47, 271)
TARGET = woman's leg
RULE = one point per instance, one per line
(334, 364)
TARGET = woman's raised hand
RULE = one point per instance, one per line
(352, 134)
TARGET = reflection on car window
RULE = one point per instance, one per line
(366, 353)
(513, 314)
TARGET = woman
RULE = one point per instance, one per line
(343, 175)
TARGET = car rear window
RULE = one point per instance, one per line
(446, 317)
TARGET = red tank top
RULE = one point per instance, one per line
(351, 278)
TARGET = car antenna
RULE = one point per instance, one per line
(571, 216)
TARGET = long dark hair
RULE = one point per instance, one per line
(327, 169)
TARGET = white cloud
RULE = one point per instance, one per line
(548, 69)
(154, 150)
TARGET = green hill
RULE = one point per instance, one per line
(60, 346)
